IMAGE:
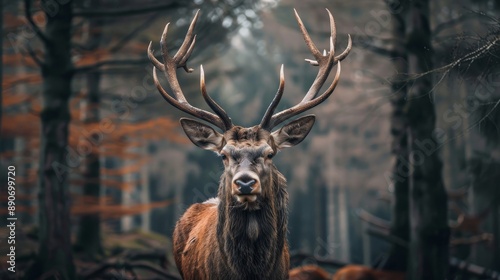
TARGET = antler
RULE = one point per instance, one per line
(169, 67)
(325, 62)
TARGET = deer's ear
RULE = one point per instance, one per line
(202, 135)
(294, 132)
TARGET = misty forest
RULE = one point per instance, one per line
(399, 178)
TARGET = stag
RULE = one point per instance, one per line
(241, 234)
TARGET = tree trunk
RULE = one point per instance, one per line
(54, 256)
(89, 231)
(400, 224)
(496, 229)
(429, 236)
(127, 221)
(345, 244)
(145, 194)
(1, 66)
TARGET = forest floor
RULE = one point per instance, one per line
(133, 255)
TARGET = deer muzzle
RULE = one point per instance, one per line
(246, 186)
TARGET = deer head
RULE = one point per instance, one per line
(242, 233)
(246, 152)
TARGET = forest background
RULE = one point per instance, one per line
(103, 169)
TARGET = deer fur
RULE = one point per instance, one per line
(359, 272)
(309, 272)
(241, 234)
(221, 239)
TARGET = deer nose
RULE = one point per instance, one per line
(245, 185)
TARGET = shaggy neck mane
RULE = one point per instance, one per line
(251, 241)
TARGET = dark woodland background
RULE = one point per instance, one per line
(103, 170)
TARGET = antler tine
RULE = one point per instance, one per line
(333, 31)
(186, 48)
(169, 67)
(186, 57)
(304, 106)
(188, 108)
(347, 50)
(153, 59)
(213, 105)
(309, 42)
(325, 61)
(180, 58)
(276, 100)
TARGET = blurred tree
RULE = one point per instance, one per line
(429, 237)
(1, 66)
(451, 24)
(236, 86)
(54, 255)
(400, 223)
(468, 46)
(89, 228)
(57, 155)
(478, 62)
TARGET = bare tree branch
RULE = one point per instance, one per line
(470, 57)
(484, 237)
(127, 62)
(123, 41)
(375, 44)
(376, 49)
(388, 237)
(474, 269)
(454, 262)
(373, 220)
(451, 23)
(29, 17)
(33, 55)
(457, 194)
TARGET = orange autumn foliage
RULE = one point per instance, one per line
(9, 99)
(119, 142)
(93, 57)
(131, 168)
(19, 209)
(18, 58)
(109, 211)
(137, 47)
(21, 125)
(105, 207)
(10, 80)
(109, 183)
(13, 21)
